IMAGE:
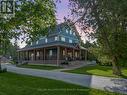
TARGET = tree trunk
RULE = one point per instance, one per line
(115, 66)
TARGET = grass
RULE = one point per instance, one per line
(14, 84)
(43, 67)
(98, 70)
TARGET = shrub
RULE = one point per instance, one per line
(24, 63)
(64, 63)
(14, 62)
(91, 57)
(3, 70)
(123, 62)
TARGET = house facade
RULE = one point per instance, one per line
(60, 45)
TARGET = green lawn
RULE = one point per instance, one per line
(14, 84)
(97, 70)
(43, 67)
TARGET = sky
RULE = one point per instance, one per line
(62, 10)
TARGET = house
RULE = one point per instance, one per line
(63, 44)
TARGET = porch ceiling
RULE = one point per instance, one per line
(51, 44)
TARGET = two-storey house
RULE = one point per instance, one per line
(58, 46)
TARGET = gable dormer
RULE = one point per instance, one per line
(69, 33)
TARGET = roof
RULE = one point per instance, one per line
(58, 28)
(58, 43)
(72, 25)
(57, 31)
(81, 47)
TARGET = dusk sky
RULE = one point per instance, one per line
(62, 11)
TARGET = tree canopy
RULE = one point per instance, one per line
(108, 20)
(32, 19)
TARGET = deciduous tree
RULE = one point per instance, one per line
(32, 19)
(108, 20)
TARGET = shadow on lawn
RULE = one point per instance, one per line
(123, 76)
(120, 86)
(99, 69)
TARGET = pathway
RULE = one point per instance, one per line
(98, 82)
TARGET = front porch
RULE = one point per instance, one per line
(54, 55)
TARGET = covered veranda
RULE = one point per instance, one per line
(51, 54)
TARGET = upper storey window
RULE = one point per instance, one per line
(31, 43)
(70, 41)
(46, 40)
(74, 33)
(67, 31)
(70, 31)
(63, 39)
(36, 42)
(56, 38)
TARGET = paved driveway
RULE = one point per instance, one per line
(98, 82)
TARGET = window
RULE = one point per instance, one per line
(63, 52)
(70, 54)
(76, 54)
(46, 40)
(63, 39)
(56, 38)
(74, 33)
(66, 31)
(32, 56)
(70, 31)
(38, 54)
(50, 52)
(70, 41)
(36, 42)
